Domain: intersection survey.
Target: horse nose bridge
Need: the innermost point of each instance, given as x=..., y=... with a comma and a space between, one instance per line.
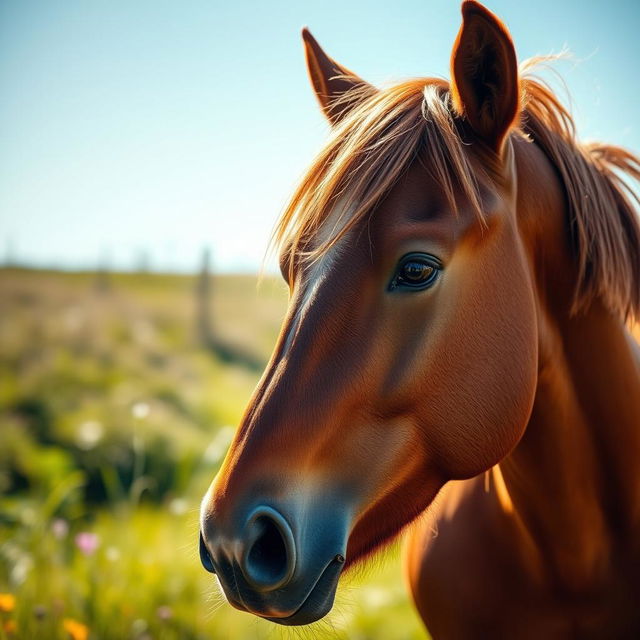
x=296, y=416
x=323, y=332
x=319, y=311
x=287, y=405
x=272, y=373
x=321, y=351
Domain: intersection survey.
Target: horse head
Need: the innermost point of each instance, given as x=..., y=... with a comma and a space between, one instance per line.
x=408, y=356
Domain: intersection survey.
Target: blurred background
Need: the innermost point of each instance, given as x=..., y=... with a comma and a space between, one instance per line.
x=146, y=150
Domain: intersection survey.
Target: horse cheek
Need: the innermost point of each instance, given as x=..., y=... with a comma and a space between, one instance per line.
x=483, y=386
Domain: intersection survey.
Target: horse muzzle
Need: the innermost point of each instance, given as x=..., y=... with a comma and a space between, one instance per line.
x=274, y=563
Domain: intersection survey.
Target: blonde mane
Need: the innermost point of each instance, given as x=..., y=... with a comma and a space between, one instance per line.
x=386, y=130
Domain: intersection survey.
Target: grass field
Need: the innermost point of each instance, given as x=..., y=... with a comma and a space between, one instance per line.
x=119, y=394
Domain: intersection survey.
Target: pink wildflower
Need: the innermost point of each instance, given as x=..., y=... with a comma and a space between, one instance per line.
x=87, y=542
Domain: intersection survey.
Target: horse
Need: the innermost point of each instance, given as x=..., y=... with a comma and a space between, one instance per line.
x=463, y=274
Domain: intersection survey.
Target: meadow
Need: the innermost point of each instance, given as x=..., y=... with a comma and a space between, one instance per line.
x=119, y=394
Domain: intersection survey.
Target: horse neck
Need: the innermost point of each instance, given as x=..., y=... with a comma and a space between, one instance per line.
x=571, y=483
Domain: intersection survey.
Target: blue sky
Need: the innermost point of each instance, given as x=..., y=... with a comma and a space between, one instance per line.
x=164, y=127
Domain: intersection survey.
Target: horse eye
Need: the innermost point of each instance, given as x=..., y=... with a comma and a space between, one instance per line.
x=415, y=271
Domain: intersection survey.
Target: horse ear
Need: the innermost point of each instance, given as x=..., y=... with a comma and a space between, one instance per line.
x=484, y=72
x=331, y=81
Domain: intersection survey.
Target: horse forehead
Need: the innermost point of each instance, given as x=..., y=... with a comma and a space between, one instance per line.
x=416, y=197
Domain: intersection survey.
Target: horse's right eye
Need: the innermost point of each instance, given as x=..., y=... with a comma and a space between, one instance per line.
x=415, y=272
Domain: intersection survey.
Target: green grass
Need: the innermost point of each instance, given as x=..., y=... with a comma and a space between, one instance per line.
x=115, y=414
x=145, y=577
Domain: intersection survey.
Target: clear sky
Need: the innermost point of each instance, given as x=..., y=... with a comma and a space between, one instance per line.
x=164, y=127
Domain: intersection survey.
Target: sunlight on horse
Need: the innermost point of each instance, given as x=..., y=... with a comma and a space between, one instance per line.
x=463, y=274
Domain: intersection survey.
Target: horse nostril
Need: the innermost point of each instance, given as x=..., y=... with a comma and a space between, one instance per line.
x=269, y=559
x=205, y=558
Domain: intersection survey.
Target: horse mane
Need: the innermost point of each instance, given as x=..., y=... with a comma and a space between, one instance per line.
x=603, y=218
x=386, y=130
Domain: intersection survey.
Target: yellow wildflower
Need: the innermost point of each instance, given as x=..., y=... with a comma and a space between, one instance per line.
x=7, y=602
x=75, y=629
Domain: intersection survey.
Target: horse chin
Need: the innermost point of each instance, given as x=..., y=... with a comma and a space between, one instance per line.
x=319, y=601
